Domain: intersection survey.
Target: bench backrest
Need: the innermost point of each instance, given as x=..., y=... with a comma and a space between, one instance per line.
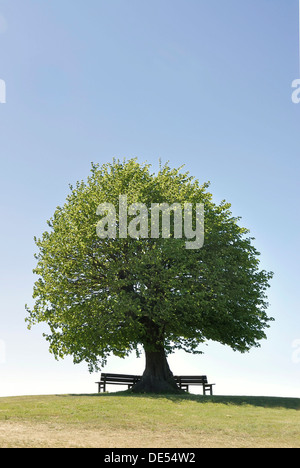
x=125, y=378
x=119, y=378
x=191, y=379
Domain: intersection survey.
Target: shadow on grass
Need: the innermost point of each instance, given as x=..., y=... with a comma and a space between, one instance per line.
x=263, y=401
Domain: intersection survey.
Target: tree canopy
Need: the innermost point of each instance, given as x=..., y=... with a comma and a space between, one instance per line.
x=103, y=296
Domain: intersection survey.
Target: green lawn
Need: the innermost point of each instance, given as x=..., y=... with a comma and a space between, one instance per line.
x=122, y=420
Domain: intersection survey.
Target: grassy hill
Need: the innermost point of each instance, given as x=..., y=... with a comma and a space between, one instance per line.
x=121, y=420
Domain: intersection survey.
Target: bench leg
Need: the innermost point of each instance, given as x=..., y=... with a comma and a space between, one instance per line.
x=207, y=387
x=101, y=386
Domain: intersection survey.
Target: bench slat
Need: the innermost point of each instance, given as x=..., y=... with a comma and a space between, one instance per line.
x=117, y=379
x=182, y=379
x=191, y=376
x=126, y=376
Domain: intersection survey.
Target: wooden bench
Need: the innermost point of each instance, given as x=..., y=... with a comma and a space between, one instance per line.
x=184, y=381
x=117, y=379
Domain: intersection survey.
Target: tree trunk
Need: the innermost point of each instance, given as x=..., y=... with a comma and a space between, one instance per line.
x=157, y=377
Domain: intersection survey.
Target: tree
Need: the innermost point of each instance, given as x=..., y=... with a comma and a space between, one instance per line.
x=103, y=296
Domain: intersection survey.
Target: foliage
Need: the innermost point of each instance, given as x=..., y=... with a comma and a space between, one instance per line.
x=103, y=296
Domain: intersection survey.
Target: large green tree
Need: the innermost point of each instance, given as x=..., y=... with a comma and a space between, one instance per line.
x=103, y=296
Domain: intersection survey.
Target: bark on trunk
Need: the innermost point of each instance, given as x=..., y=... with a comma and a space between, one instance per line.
x=157, y=377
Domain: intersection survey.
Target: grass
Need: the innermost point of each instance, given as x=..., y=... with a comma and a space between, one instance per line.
x=123, y=420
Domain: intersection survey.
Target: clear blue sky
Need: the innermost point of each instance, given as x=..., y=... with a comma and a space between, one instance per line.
x=204, y=83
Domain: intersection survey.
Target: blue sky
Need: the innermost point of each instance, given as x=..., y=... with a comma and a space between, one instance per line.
x=196, y=82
